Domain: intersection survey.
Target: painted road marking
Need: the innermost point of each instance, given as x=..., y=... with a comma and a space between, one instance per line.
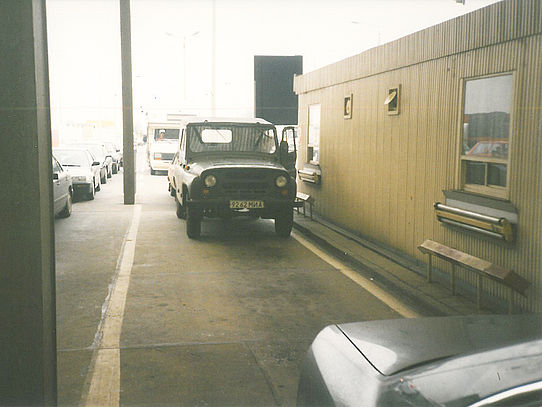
x=104, y=389
x=366, y=284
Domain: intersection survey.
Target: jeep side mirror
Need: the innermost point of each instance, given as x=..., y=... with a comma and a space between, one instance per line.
x=55, y=175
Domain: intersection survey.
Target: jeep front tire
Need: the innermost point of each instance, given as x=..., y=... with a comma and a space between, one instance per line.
x=193, y=222
x=181, y=209
x=284, y=222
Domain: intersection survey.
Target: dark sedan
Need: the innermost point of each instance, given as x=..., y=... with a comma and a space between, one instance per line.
x=449, y=361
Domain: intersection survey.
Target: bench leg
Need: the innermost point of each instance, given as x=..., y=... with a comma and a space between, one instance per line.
x=479, y=293
x=429, y=268
x=510, y=301
x=310, y=208
x=452, y=279
x=304, y=214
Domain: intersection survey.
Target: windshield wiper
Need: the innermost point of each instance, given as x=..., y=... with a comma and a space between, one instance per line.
x=70, y=165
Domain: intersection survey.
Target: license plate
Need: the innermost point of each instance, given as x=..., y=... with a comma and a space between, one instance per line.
x=246, y=204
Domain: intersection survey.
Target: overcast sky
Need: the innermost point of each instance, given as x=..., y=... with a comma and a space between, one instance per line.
x=84, y=47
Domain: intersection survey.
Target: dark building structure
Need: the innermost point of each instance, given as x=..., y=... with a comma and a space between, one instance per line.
x=275, y=100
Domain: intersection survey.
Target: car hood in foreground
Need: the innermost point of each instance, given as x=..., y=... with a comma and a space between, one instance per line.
x=395, y=345
x=421, y=362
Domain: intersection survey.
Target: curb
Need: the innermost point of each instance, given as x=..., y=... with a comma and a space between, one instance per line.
x=411, y=296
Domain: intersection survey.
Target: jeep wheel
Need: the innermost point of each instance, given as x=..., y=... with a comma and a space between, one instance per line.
x=181, y=210
x=193, y=222
x=284, y=223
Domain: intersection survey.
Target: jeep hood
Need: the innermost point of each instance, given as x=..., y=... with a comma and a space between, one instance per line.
x=201, y=164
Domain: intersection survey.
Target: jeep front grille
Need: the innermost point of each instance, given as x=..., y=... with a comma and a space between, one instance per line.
x=243, y=188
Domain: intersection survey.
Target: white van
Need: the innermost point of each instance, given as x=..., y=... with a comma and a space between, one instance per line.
x=162, y=144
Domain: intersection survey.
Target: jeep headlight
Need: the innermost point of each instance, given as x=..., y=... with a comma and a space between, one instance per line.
x=281, y=181
x=210, y=181
x=157, y=156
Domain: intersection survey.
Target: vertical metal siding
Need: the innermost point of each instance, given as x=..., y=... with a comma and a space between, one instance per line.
x=381, y=173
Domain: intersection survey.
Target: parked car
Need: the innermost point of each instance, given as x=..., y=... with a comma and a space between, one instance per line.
x=116, y=156
x=99, y=152
x=229, y=168
x=83, y=167
x=491, y=360
x=62, y=190
x=490, y=148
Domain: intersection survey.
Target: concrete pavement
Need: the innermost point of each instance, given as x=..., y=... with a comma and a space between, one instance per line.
x=223, y=320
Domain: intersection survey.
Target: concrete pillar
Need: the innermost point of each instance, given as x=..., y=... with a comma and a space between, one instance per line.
x=127, y=105
x=27, y=280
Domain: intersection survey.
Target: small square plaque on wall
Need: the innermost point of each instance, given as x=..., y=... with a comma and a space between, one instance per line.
x=347, y=107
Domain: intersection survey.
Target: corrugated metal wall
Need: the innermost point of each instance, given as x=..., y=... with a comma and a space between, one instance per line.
x=382, y=173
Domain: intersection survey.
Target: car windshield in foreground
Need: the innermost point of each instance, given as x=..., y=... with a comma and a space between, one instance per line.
x=228, y=138
x=72, y=158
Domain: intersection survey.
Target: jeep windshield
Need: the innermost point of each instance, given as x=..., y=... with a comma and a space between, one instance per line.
x=229, y=138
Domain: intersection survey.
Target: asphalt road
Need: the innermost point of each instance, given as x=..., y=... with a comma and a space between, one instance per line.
x=220, y=321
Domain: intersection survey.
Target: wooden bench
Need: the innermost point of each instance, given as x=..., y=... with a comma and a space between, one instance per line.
x=482, y=268
x=301, y=199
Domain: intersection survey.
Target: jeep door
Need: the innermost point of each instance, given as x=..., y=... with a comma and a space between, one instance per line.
x=288, y=149
x=178, y=170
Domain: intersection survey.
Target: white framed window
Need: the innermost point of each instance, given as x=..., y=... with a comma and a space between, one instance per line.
x=313, y=145
x=486, y=134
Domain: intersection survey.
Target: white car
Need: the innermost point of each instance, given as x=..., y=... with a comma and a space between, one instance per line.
x=62, y=190
x=83, y=168
x=116, y=155
x=99, y=152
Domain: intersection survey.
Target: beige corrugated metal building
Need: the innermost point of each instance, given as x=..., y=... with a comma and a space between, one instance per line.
x=449, y=114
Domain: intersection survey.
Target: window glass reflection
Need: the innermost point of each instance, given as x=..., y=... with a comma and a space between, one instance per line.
x=486, y=119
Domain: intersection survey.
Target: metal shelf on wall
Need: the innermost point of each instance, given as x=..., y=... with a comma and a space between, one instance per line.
x=499, y=228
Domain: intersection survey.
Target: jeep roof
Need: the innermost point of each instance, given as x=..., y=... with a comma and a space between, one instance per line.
x=195, y=120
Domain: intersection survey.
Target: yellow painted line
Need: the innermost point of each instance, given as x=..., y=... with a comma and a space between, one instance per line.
x=364, y=283
x=104, y=389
